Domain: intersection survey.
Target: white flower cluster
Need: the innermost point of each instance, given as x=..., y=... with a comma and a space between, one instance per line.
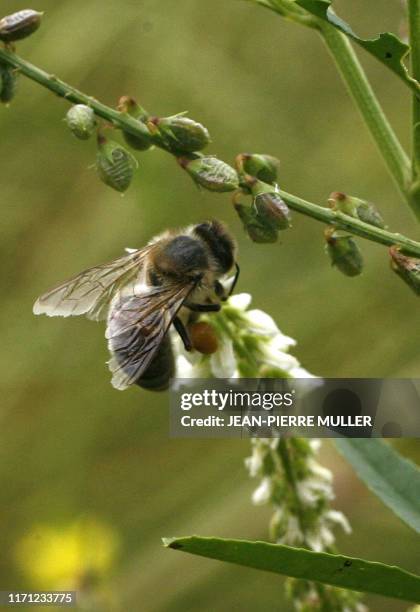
x=312, y=493
x=300, y=491
x=250, y=343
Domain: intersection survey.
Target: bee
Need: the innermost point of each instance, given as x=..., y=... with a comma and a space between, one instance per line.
x=177, y=275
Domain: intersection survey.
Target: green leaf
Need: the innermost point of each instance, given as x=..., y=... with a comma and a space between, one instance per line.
x=395, y=480
x=337, y=570
x=387, y=47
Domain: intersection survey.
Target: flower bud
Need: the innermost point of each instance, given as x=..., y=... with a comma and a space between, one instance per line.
x=204, y=338
x=407, y=268
x=130, y=107
x=19, y=25
x=114, y=164
x=263, y=167
x=343, y=252
x=357, y=208
x=211, y=173
x=81, y=120
x=256, y=229
x=269, y=206
x=8, y=80
x=181, y=134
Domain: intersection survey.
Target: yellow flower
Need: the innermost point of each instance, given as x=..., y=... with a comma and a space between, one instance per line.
x=59, y=558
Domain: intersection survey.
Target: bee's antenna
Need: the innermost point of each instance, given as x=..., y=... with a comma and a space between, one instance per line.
x=235, y=278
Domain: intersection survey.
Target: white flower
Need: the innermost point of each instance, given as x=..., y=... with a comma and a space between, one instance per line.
x=240, y=301
x=186, y=369
x=223, y=361
x=293, y=535
x=263, y=493
x=338, y=518
x=318, y=470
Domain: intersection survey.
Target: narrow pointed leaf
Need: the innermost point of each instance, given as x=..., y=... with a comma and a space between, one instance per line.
x=387, y=47
x=337, y=570
x=394, y=479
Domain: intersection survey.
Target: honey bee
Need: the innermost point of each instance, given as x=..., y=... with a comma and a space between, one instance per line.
x=175, y=276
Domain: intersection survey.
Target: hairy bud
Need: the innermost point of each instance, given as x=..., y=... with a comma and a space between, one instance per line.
x=131, y=107
x=19, y=25
x=81, y=120
x=204, y=338
x=115, y=165
x=269, y=206
x=256, y=229
x=357, y=208
x=407, y=268
x=8, y=80
x=210, y=173
x=343, y=252
x=180, y=133
x=263, y=167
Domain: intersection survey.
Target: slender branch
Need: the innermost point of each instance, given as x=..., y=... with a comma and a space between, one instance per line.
x=354, y=76
x=414, y=23
x=63, y=90
x=127, y=123
x=350, y=224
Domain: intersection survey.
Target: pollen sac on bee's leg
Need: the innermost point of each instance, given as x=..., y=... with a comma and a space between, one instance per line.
x=181, y=134
x=343, y=252
x=115, y=165
x=263, y=167
x=129, y=106
x=19, y=25
x=203, y=337
x=8, y=81
x=407, y=268
x=210, y=173
x=357, y=208
x=256, y=229
x=82, y=121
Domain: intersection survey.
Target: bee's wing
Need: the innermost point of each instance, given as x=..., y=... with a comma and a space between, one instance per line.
x=91, y=291
x=136, y=328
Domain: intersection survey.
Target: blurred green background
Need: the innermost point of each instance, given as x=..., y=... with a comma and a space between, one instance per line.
x=88, y=475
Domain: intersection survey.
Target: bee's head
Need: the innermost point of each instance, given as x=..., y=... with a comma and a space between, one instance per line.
x=181, y=257
x=219, y=242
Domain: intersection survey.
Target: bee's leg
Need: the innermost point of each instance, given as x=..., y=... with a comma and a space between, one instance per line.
x=183, y=334
x=203, y=307
x=235, y=278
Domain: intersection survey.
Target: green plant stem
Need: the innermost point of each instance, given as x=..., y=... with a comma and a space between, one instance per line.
x=71, y=94
x=127, y=123
x=354, y=226
x=414, y=23
x=354, y=76
x=284, y=455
